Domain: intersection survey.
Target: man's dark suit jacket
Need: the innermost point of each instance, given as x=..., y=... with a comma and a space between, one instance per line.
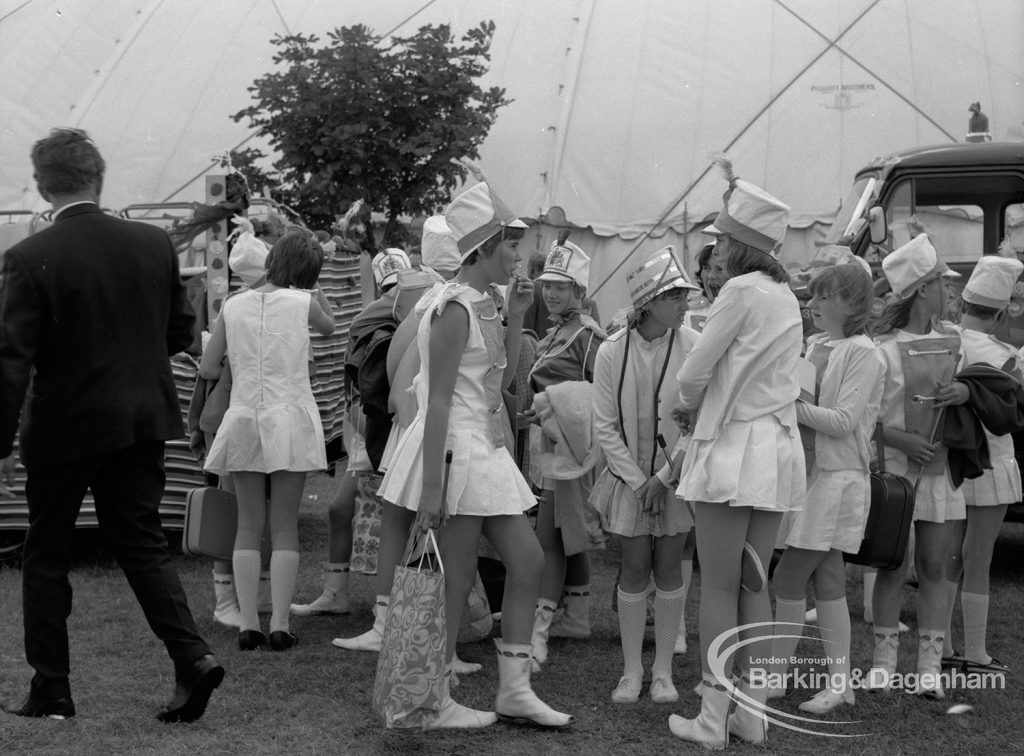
x=95, y=305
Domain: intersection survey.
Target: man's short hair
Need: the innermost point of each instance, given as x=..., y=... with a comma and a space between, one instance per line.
x=66, y=162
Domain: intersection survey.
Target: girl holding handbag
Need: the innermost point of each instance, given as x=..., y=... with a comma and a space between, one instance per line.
x=921, y=355
x=466, y=359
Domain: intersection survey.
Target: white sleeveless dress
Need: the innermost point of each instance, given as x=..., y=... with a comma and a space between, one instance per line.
x=272, y=422
x=484, y=479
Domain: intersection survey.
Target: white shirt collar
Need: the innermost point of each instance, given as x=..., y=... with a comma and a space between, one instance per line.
x=73, y=204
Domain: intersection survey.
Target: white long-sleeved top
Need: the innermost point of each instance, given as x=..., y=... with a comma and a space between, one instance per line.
x=744, y=365
x=628, y=441
x=848, y=402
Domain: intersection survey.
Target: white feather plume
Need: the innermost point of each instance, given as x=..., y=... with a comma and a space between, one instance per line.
x=724, y=164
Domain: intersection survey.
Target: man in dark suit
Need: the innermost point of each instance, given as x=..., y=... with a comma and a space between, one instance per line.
x=90, y=309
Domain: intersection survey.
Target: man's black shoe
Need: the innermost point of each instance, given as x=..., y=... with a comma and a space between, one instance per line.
x=192, y=691
x=55, y=708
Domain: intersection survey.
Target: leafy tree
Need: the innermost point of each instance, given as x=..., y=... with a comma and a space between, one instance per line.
x=382, y=120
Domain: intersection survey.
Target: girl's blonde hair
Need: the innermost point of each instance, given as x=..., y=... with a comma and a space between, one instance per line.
x=852, y=284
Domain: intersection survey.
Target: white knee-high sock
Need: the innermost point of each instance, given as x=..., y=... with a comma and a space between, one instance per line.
x=975, y=606
x=245, y=563
x=632, y=621
x=686, y=567
x=789, y=616
x=284, y=570
x=951, y=591
x=668, y=608
x=869, y=594
x=834, y=621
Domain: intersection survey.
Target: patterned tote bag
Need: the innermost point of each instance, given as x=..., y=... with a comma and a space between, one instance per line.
x=407, y=690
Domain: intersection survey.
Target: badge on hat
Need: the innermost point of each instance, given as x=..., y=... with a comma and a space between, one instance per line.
x=566, y=262
x=659, y=273
x=386, y=265
x=475, y=216
x=992, y=282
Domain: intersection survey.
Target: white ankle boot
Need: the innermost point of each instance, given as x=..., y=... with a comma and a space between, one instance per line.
x=454, y=715
x=372, y=639
x=334, y=598
x=749, y=722
x=711, y=727
x=516, y=700
x=542, y=617
x=226, y=609
x=574, y=620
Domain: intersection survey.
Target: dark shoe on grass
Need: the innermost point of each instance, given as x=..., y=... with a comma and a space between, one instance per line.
x=55, y=708
x=993, y=665
x=955, y=659
x=282, y=641
x=250, y=640
x=192, y=690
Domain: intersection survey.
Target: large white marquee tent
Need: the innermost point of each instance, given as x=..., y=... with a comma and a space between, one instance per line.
x=617, y=103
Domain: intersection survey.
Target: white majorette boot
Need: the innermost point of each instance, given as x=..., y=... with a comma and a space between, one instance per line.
x=226, y=609
x=454, y=715
x=334, y=598
x=574, y=620
x=516, y=700
x=883, y=659
x=748, y=722
x=711, y=727
x=542, y=617
x=929, y=664
x=372, y=639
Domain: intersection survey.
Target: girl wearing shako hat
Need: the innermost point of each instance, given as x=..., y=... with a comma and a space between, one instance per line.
x=566, y=524
x=921, y=355
x=466, y=359
x=634, y=391
x=985, y=300
x=745, y=465
x=850, y=373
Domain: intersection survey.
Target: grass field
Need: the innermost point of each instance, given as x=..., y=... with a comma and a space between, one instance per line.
x=315, y=698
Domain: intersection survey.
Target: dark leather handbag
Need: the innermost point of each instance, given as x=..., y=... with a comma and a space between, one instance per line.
x=887, y=531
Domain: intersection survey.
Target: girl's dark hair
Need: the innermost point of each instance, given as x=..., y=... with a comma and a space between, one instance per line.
x=978, y=311
x=295, y=260
x=895, y=315
x=491, y=244
x=745, y=259
x=703, y=260
x=852, y=284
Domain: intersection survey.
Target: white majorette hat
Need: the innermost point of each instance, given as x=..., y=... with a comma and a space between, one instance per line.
x=566, y=262
x=750, y=214
x=657, y=274
x=438, y=247
x=912, y=264
x=386, y=265
x=475, y=216
x=991, y=284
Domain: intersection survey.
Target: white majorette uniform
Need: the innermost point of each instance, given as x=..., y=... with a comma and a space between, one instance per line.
x=634, y=393
x=916, y=366
x=272, y=422
x=843, y=421
x=1001, y=484
x=746, y=448
x=484, y=479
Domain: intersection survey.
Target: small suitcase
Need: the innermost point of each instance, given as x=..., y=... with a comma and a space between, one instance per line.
x=887, y=531
x=211, y=521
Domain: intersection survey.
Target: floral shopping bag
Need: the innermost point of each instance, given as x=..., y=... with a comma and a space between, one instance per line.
x=407, y=690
